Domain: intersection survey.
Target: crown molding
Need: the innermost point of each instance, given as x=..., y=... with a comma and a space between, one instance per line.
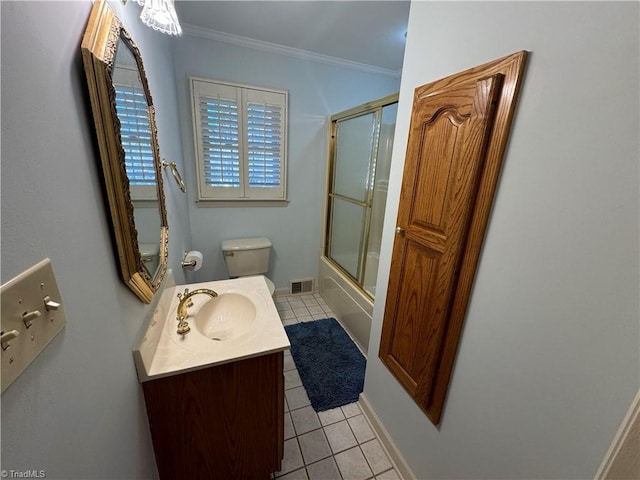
x=217, y=36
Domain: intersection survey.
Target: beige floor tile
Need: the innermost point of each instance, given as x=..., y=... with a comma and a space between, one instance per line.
x=314, y=446
x=351, y=410
x=296, y=304
x=297, y=398
x=331, y=416
x=340, y=436
x=287, y=314
x=304, y=420
x=361, y=428
x=324, y=470
x=314, y=310
x=292, y=379
x=375, y=455
x=388, y=475
x=352, y=465
x=311, y=302
x=301, y=312
x=292, y=457
x=289, y=432
x=288, y=363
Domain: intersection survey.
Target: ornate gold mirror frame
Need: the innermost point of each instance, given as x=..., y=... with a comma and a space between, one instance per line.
x=103, y=37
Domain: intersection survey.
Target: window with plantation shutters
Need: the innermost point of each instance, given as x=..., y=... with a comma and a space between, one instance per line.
x=240, y=136
x=135, y=133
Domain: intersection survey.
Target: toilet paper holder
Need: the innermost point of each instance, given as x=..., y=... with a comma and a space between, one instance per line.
x=187, y=263
x=190, y=260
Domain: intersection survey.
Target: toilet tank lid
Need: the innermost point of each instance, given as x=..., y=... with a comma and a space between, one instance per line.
x=246, y=243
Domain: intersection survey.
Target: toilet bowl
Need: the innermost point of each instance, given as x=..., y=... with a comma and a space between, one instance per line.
x=246, y=257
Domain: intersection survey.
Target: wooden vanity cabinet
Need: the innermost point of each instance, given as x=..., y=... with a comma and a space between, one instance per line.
x=222, y=422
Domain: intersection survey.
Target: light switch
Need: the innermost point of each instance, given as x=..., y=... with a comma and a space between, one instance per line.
x=32, y=314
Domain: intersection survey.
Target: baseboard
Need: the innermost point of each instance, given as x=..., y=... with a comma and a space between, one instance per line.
x=622, y=460
x=399, y=463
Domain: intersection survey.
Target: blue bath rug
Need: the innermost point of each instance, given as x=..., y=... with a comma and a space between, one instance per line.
x=329, y=363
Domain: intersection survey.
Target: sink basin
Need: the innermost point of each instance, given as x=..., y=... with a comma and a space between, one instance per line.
x=240, y=323
x=225, y=317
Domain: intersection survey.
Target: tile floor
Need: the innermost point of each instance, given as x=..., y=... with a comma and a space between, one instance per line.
x=338, y=444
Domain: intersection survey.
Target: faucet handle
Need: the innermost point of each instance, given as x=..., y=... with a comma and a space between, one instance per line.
x=180, y=295
x=183, y=328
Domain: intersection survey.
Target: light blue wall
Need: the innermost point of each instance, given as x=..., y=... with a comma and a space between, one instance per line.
x=315, y=91
x=549, y=362
x=78, y=411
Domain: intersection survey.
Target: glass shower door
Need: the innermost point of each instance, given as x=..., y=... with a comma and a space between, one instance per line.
x=359, y=173
x=379, y=198
x=355, y=143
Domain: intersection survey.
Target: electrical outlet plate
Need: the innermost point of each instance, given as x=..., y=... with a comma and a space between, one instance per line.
x=25, y=294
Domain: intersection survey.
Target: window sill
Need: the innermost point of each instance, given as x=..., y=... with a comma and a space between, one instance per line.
x=242, y=202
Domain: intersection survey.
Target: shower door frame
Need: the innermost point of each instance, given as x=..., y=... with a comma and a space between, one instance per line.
x=364, y=109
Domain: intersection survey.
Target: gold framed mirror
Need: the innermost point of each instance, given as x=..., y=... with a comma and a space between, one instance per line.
x=125, y=125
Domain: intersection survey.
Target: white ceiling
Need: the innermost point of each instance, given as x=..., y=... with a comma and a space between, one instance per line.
x=367, y=32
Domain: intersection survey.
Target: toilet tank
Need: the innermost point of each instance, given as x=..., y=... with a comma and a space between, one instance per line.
x=246, y=256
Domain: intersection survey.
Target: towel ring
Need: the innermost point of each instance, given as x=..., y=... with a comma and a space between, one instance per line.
x=176, y=174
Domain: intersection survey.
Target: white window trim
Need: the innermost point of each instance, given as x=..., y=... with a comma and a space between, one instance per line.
x=211, y=196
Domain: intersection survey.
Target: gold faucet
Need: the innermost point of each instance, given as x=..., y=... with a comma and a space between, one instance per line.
x=183, y=326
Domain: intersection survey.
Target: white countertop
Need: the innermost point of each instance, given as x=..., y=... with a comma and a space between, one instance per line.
x=162, y=351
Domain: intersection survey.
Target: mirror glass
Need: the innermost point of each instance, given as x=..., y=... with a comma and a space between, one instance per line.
x=124, y=118
x=137, y=143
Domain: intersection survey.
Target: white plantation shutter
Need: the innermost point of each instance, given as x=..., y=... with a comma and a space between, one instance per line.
x=219, y=129
x=135, y=133
x=264, y=144
x=240, y=135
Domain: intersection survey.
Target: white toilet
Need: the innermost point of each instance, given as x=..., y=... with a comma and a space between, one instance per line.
x=150, y=254
x=248, y=256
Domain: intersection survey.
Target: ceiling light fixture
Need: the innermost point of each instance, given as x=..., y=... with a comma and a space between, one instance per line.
x=160, y=15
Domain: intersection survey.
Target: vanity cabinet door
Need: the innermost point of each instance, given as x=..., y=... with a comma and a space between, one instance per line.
x=224, y=422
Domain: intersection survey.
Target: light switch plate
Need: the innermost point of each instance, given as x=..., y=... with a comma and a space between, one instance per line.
x=21, y=298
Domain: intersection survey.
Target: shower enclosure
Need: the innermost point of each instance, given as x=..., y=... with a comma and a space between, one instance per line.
x=360, y=159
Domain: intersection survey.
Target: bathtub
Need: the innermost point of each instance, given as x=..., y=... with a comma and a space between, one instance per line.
x=352, y=307
x=371, y=273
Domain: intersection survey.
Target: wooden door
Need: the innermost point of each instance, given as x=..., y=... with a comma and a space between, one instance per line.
x=457, y=136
